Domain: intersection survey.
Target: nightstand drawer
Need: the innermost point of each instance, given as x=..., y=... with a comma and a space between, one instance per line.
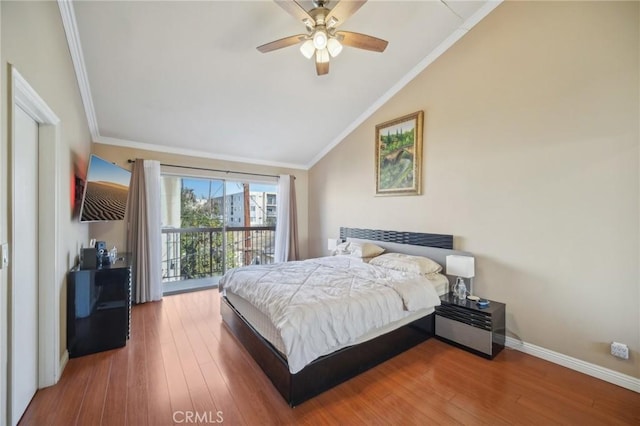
x=463, y=334
x=473, y=318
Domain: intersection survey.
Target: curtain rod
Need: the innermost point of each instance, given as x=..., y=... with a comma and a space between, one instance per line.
x=212, y=170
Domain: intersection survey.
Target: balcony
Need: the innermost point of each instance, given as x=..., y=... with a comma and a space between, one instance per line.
x=201, y=255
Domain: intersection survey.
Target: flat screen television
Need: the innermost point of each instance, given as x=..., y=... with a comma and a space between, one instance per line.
x=105, y=191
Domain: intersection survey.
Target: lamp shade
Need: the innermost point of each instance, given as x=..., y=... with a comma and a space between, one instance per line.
x=334, y=47
x=460, y=266
x=307, y=49
x=320, y=39
x=322, y=56
x=332, y=243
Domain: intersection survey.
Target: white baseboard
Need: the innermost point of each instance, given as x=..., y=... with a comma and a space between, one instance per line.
x=606, y=374
x=63, y=364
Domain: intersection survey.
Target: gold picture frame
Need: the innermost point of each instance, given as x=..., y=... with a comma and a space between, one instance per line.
x=399, y=155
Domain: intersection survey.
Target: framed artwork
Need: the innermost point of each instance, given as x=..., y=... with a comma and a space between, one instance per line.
x=399, y=155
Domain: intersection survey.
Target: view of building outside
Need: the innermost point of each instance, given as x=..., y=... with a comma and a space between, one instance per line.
x=207, y=229
x=262, y=208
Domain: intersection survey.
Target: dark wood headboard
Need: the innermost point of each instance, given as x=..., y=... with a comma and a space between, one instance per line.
x=414, y=238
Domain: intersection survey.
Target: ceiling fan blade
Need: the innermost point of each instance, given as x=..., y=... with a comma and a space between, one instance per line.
x=322, y=68
x=283, y=42
x=362, y=41
x=343, y=10
x=294, y=9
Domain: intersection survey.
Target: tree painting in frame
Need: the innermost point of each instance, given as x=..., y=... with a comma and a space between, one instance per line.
x=399, y=155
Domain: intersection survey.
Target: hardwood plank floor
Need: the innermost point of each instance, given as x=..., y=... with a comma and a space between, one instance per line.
x=182, y=366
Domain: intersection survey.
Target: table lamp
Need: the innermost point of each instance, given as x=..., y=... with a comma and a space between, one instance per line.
x=462, y=267
x=332, y=244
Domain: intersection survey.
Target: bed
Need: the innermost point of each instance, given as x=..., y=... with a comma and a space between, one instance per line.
x=297, y=380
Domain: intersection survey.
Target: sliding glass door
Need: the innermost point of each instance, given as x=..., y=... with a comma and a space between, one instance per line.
x=212, y=225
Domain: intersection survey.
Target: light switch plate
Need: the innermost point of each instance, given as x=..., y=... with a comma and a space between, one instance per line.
x=4, y=255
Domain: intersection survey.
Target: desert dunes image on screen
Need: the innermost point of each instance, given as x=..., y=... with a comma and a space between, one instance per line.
x=106, y=190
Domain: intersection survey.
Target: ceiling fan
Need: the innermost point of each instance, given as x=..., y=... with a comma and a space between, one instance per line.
x=323, y=39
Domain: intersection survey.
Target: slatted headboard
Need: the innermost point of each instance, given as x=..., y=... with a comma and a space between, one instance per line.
x=414, y=238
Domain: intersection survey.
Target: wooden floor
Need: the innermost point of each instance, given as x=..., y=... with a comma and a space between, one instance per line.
x=182, y=366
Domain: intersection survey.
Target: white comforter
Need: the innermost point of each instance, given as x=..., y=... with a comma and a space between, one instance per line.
x=324, y=303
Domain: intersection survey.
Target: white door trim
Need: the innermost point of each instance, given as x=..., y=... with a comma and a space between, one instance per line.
x=50, y=277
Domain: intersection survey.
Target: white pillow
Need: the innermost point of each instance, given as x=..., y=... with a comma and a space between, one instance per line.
x=407, y=263
x=341, y=249
x=365, y=249
x=361, y=250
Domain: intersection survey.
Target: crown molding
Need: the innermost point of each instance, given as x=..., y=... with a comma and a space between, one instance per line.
x=413, y=73
x=75, y=48
x=73, y=40
x=192, y=153
x=593, y=370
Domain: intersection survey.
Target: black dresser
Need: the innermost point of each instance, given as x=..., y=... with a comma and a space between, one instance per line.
x=98, y=308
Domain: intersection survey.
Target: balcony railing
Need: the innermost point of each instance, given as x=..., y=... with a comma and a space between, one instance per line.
x=191, y=253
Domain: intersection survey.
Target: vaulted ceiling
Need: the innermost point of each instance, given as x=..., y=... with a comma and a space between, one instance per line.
x=186, y=77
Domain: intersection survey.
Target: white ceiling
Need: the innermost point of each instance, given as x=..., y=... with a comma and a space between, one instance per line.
x=186, y=76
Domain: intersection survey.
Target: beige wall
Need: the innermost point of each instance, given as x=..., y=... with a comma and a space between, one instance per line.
x=33, y=40
x=114, y=233
x=531, y=160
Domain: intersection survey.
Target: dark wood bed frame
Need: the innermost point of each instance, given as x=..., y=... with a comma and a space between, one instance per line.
x=337, y=367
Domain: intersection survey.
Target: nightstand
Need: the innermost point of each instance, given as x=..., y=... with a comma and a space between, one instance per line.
x=464, y=324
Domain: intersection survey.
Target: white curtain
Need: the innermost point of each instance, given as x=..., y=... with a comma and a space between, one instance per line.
x=286, y=220
x=143, y=231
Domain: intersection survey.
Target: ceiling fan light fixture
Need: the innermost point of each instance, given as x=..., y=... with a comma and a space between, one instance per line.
x=307, y=49
x=322, y=56
x=320, y=39
x=334, y=47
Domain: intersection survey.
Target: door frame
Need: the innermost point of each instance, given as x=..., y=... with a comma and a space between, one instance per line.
x=50, y=360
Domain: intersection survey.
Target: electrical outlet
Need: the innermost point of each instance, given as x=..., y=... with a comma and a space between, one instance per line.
x=620, y=350
x=4, y=255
